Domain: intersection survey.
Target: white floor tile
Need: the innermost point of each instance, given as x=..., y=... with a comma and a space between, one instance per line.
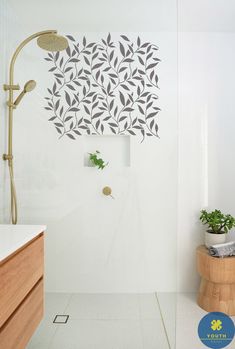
x=149, y=306
x=99, y=334
x=188, y=316
x=154, y=335
x=103, y=306
x=55, y=303
x=101, y=321
x=167, y=302
x=43, y=335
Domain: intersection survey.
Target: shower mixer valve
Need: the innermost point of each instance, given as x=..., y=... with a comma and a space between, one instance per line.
x=107, y=191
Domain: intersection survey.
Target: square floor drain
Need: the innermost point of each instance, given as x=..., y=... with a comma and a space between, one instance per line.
x=61, y=319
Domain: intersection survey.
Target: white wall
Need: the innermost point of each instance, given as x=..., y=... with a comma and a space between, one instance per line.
x=93, y=243
x=206, y=139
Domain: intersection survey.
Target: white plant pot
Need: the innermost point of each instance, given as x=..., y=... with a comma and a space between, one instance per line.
x=214, y=239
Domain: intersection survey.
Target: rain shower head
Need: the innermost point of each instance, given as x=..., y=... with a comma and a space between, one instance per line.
x=52, y=42
x=28, y=87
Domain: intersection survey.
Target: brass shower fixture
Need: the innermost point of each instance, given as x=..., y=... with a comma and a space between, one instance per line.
x=28, y=87
x=107, y=191
x=48, y=40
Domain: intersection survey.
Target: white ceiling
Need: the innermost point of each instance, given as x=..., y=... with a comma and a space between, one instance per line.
x=130, y=15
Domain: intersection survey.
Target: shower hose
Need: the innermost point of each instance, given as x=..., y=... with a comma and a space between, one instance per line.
x=13, y=195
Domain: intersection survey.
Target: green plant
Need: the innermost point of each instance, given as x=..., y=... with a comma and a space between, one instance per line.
x=217, y=222
x=98, y=162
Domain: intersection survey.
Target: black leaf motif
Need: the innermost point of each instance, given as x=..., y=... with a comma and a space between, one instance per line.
x=113, y=130
x=141, y=60
x=128, y=60
x=57, y=104
x=68, y=118
x=96, y=115
x=70, y=37
x=151, y=115
x=131, y=132
x=70, y=136
x=58, y=130
x=68, y=69
x=71, y=87
x=61, y=111
x=86, y=60
x=122, y=98
x=111, y=105
x=77, y=132
x=74, y=109
x=67, y=97
x=75, y=60
x=125, y=37
x=96, y=66
x=68, y=51
x=122, y=69
x=128, y=109
x=94, y=80
x=125, y=87
x=141, y=110
x=122, y=49
x=115, y=62
x=151, y=66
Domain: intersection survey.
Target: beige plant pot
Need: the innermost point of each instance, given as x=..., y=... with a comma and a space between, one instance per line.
x=214, y=239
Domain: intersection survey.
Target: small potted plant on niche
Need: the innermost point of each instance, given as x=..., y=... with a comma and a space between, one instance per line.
x=96, y=160
x=219, y=225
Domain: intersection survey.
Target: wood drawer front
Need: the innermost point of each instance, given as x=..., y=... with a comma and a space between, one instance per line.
x=19, y=328
x=18, y=275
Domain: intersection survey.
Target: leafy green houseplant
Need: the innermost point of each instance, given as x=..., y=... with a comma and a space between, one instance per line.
x=96, y=160
x=218, y=224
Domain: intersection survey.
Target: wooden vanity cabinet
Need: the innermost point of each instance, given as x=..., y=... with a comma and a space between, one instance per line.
x=21, y=294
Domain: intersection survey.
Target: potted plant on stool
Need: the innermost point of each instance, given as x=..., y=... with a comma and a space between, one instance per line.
x=219, y=225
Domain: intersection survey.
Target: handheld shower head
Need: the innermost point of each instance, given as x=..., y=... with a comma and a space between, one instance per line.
x=28, y=87
x=52, y=42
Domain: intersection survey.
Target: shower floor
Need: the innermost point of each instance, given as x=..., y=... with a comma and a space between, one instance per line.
x=106, y=321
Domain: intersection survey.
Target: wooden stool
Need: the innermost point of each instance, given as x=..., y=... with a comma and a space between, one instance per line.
x=217, y=288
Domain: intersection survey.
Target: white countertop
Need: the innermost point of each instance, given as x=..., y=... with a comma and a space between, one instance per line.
x=12, y=237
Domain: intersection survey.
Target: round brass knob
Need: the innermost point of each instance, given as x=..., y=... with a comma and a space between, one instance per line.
x=108, y=192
